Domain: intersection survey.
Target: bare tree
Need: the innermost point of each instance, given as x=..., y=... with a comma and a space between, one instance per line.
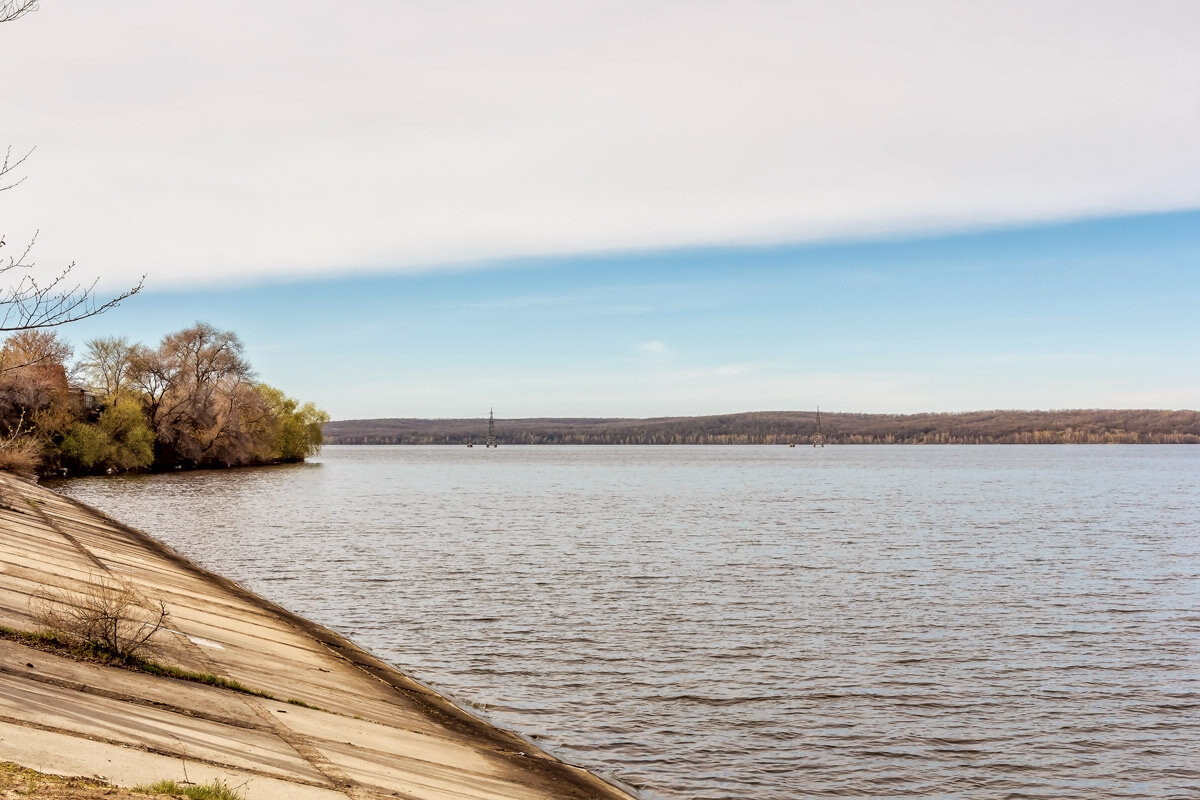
x=27, y=302
x=104, y=613
x=107, y=364
x=15, y=9
x=198, y=394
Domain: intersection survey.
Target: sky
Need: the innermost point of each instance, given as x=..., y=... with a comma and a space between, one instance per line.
x=410, y=209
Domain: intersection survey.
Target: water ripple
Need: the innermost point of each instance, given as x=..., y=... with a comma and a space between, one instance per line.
x=764, y=623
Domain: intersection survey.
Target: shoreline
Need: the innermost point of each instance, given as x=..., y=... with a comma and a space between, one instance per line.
x=1080, y=426
x=413, y=741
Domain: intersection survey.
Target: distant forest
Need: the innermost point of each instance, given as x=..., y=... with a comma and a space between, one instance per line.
x=799, y=427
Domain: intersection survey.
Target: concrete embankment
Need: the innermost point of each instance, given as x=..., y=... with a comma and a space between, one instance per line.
x=364, y=730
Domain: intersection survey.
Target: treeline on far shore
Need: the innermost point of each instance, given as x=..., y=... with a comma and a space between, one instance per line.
x=794, y=427
x=191, y=402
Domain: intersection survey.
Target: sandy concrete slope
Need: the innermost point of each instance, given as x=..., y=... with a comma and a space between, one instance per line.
x=371, y=731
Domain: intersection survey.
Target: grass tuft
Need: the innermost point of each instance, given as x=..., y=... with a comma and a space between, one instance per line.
x=292, y=701
x=216, y=790
x=207, y=678
x=33, y=637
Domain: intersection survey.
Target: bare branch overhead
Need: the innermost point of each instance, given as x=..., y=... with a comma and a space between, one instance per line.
x=15, y=9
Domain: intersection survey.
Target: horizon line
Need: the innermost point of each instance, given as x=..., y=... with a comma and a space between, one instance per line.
x=794, y=411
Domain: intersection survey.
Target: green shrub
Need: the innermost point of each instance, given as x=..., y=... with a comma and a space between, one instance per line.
x=84, y=446
x=121, y=440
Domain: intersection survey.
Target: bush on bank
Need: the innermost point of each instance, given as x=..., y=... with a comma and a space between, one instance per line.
x=192, y=402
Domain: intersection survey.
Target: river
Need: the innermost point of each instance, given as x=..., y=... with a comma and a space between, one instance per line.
x=756, y=622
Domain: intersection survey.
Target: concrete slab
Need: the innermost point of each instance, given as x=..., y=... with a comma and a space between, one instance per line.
x=375, y=732
x=65, y=754
x=217, y=704
x=174, y=733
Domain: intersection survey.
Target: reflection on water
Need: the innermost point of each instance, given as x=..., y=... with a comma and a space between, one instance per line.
x=753, y=622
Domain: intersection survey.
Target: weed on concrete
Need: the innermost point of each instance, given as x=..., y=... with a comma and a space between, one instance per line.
x=216, y=790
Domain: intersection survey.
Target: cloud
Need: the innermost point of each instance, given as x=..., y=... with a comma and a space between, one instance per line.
x=277, y=139
x=654, y=351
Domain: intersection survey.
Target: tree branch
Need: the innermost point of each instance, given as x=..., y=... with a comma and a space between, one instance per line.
x=15, y=9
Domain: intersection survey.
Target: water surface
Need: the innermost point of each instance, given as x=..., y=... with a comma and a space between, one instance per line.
x=753, y=622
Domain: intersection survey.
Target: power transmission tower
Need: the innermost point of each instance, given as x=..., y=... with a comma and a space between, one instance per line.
x=491, y=437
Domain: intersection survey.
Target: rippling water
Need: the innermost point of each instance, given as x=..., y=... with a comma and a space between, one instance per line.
x=753, y=622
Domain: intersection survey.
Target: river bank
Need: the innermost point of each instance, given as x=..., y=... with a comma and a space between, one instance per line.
x=329, y=720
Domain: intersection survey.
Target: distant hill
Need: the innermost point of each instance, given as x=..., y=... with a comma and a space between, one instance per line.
x=784, y=427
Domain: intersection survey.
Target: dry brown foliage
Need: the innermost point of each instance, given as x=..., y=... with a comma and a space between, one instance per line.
x=102, y=613
x=20, y=454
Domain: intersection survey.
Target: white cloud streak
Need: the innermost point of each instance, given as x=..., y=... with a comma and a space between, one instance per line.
x=273, y=139
x=654, y=351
